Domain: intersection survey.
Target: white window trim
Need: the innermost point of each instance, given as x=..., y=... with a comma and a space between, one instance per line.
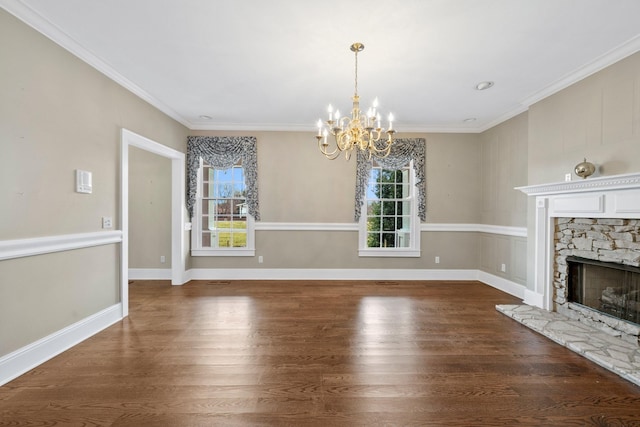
x=411, y=252
x=196, y=231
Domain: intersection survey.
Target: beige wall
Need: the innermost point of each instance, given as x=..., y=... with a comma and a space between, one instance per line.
x=149, y=209
x=453, y=187
x=298, y=185
x=503, y=167
x=58, y=114
x=597, y=118
x=42, y=294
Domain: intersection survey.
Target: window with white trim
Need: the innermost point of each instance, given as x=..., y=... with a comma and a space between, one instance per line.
x=389, y=225
x=222, y=225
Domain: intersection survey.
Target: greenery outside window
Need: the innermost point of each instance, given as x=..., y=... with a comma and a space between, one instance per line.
x=390, y=226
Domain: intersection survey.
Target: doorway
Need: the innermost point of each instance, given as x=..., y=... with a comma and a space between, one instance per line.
x=178, y=274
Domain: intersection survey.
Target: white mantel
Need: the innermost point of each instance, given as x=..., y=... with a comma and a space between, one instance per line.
x=616, y=196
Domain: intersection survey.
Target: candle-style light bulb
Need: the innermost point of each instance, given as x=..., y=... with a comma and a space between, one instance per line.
x=390, y=121
x=330, y=110
x=319, y=127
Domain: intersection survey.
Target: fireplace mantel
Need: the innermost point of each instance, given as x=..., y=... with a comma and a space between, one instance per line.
x=616, y=196
x=602, y=183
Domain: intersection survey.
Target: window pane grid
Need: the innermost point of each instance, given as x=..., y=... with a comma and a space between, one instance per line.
x=224, y=208
x=388, y=210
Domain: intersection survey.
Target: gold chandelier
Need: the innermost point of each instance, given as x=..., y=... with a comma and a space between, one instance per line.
x=362, y=131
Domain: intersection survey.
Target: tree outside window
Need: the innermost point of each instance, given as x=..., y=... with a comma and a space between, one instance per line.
x=388, y=208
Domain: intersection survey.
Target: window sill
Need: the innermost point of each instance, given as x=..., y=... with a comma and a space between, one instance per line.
x=223, y=252
x=389, y=253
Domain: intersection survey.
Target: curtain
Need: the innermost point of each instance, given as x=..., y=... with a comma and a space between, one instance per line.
x=223, y=153
x=402, y=152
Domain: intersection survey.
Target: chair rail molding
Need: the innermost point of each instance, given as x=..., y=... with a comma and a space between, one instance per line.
x=18, y=248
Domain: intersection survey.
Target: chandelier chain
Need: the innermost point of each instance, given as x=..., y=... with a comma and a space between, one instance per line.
x=356, y=73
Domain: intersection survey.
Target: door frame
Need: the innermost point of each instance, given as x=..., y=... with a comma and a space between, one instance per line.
x=178, y=253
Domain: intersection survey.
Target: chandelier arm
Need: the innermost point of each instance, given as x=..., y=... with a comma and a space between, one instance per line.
x=331, y=155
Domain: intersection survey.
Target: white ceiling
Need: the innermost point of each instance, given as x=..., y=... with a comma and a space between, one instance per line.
x=277, y=64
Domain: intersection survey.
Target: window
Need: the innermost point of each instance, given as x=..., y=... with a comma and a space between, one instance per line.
x=222, y=225
x=222, y=194
x=390, y=225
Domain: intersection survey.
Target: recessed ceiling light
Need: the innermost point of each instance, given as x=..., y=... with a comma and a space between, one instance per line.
x=484, y=85
x=205, y=117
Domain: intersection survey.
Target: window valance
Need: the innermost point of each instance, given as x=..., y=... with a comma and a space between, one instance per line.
x=402, y=152
x=223, y=153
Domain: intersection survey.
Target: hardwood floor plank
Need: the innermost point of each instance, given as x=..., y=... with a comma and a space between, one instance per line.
x=314, y=353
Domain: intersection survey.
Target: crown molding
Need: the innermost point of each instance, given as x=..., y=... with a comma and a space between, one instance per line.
x=614, y=55
x=55, y=34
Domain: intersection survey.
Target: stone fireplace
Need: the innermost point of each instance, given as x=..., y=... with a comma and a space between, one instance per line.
x=596, y=273
x=594, y=219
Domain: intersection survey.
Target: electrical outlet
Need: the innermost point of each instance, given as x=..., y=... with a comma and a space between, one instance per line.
x=503, y=268
x=107, y=222
x=162, y=259
x=567, y=177
x=260, y=259
x=437, y=260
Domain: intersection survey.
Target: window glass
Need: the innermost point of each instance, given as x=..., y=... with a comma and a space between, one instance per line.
x=389, y=225
x=223, y=224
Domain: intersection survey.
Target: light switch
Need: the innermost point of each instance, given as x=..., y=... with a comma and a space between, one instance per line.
x=83, y=181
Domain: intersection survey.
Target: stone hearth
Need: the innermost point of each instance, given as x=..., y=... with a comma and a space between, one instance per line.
x=610, y=352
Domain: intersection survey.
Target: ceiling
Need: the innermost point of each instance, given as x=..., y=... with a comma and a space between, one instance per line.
x=277, y=64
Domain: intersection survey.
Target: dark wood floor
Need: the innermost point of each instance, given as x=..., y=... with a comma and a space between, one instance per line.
x=265, y=353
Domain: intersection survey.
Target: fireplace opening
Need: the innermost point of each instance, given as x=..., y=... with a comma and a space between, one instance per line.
x=610, y=288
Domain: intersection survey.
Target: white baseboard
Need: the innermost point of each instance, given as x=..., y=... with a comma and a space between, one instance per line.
x=497, y=282
x=26, y=358
x=533, y=298
x=500, y=283
x=328, y=274
x=149, y=274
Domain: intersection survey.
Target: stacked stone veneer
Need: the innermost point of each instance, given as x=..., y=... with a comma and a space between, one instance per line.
x=607, y=240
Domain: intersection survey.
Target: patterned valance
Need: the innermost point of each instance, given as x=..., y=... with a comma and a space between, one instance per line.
x=402, y=152
x=222, y=153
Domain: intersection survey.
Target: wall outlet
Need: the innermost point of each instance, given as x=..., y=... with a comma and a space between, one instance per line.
x=260, y=259
x=503, y=268
x=107, y=222
x=162, y=259
x=437, y=260
x=567, y=177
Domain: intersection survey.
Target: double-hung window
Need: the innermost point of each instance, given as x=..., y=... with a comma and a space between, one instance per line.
x=222, y=195
x=390, y=200
x=389, y=224
x=223, y=225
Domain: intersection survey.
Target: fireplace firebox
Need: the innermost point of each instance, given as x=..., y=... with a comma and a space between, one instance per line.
x=610, y=288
